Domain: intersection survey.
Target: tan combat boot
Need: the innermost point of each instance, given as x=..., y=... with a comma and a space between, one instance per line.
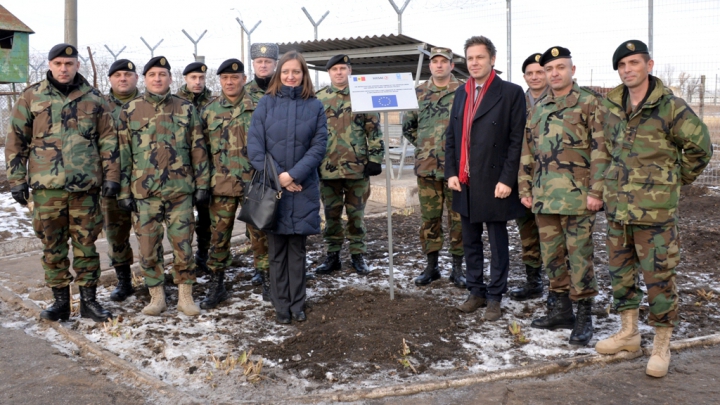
x=157, y=302
x=660, y=360
x=185, y=301
x=628, y=338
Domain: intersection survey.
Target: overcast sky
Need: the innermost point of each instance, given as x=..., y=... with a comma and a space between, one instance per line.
x=686, y=33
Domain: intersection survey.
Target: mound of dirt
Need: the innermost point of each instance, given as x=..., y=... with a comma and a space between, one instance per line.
x=354, y=326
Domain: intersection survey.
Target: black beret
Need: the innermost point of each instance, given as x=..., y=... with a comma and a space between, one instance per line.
x=62, y=50
x=231, y=66
x=556, y=52
x=534, y=58
x=336, y=60
x=158, y=61
x=121, y=64
x=195, y=67
x=627, y=48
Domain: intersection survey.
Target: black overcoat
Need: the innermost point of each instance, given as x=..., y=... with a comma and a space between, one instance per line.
x=495, y=146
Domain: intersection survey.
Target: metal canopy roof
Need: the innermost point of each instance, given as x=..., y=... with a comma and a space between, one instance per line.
x=11, y=23
x=373, y=55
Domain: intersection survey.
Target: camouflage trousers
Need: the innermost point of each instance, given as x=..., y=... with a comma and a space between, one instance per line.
x=433, y=193
x=653, y=251
x=529, y=239
x=59, y=215
x=351, y=194
x=177, y=214
x=566, y=241
x=222, y=219
x=203, y=222
x=117, y=224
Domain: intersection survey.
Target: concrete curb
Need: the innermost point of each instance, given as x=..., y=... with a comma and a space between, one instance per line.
x=555, y=367
x=125, y=368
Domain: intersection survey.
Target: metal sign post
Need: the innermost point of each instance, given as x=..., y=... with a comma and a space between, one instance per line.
x=382, y=93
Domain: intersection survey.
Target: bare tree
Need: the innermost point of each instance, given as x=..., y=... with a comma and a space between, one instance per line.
x=667, y=75
x=692, y=87
x=682, y=81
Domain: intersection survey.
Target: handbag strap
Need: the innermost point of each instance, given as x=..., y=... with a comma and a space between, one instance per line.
x=269, y=159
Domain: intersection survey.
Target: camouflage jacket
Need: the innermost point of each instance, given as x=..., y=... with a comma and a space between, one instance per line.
x=528, y=102
x=116, y=104
x=69, y=143
x=162, y=149
x=353, y=139
x=654, y=150
x=564, y=155
x=202, y=99
x=254, y=92
x=225, y=126
x=425, y=128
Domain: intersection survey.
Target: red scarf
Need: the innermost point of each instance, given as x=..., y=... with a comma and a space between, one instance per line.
x=471, y=106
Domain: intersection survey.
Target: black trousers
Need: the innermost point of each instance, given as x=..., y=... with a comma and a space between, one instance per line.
x=474, y=258
x=286, y=254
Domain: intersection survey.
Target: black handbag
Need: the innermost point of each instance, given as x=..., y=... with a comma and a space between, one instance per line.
x=261, y=201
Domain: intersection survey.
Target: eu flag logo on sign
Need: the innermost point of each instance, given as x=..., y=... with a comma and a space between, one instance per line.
x=384, y=101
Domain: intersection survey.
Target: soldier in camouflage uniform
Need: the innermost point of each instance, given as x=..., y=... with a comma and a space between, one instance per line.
x=117, y=222
x=164, y=167
x=425, y=130
x=61, y=143
x=264, y=61
x=657, y=144
x=195, y=91
x=534, y=76
x=561, y=178
x=355, y=151
x=226, y=121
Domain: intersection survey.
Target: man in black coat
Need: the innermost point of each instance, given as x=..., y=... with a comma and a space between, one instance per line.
x=482, y=158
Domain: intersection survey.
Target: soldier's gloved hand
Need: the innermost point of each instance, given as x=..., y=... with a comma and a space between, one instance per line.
x=110, y=189
x=372, y=169
x=21, y=193
x=127, y=204
x=201, y=198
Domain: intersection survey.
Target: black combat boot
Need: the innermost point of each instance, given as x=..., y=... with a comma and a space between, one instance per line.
x=431, y=272
x=124, y=286
x=60, y=309
x=358, y=263
x=560, y=316
x=201, y=258
x=533, y=287
x=457, y=276
x=583, y=330
x=257, y=278
x=266, y=289
x=331, y=263
x=90, y=308
x=216, y=292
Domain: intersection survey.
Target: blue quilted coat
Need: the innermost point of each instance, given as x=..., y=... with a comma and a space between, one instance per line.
x=294, y=131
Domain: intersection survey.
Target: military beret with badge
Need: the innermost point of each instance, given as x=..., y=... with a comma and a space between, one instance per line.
x=121, y=65
x=627, y=48
x=556, y=52
x=337, y=60
x=62, y=51
x=158, y=61
x=231, y=66
x=534, y=58
x=195, y=67
x=264, y=50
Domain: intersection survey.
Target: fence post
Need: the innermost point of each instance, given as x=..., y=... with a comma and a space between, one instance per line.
x=702, y=97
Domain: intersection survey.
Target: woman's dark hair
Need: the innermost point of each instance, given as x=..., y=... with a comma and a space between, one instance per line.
x=306, y=84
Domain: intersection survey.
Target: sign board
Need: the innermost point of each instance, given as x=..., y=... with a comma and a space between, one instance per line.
x=383, y=92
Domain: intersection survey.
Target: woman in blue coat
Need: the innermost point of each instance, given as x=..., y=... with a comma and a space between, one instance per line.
x=290, y=124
